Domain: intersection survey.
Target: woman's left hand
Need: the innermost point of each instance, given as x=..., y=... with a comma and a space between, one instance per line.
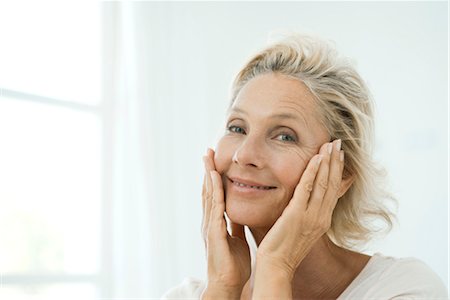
x=307, y=217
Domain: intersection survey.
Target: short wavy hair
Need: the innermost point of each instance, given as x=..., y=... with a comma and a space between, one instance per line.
x=345, y=107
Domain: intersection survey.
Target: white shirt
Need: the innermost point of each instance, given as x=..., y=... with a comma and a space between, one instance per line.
x=383, y=277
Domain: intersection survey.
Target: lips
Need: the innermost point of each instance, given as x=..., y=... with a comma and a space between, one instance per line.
x=249, y=184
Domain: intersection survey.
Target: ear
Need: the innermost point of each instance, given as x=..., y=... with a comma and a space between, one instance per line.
x=346, y=183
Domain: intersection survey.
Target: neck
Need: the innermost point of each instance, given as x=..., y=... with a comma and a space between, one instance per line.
x=326, y=271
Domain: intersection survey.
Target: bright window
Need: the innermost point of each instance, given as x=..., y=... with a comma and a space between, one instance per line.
x=50, y=150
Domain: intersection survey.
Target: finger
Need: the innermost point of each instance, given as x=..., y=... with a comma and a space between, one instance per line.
x=205, y=220
x=206, y=200
x=208, y=191
x=335, y=177
x=217, y=235
x=210, y=153
x=217, y=221
x=321, y=182
x=304, y=187
x=217, y=197
x=209, y=166
x=204, y=192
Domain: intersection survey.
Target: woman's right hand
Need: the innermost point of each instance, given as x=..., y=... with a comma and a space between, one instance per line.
x=228, y=255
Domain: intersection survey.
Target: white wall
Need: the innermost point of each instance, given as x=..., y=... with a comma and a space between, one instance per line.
x=399, y=48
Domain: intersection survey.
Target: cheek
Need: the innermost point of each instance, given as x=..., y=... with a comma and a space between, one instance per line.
x=290, y=170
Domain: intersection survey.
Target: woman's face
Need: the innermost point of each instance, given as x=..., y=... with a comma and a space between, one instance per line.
x=272, y=132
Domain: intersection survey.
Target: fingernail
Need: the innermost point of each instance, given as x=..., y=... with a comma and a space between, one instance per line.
x=329, y=148
x=338, y=145
x=341, y=155
x=319, y=159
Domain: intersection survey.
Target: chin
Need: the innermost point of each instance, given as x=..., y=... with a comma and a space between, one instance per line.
x=244, y=214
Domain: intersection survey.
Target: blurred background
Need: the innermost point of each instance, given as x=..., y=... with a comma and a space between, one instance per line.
x=106, y=109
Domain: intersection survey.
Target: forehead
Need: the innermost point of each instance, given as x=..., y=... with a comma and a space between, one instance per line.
x=276, y=94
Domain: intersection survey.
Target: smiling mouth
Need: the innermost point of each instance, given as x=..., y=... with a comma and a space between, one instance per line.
x=239, y=184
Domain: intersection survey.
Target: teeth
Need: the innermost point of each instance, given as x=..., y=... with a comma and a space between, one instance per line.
x=250, y=186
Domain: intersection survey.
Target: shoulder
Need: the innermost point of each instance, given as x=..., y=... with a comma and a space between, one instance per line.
x=190, y=288
x=387, y=277
x=415, y=276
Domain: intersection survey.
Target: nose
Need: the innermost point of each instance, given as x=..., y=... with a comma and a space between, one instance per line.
x=249, y=154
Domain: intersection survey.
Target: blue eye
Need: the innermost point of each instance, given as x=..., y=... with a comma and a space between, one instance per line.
x=287, y=138
x=236, y=129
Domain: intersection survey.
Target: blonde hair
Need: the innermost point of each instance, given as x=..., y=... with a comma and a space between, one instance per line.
x=346, y=110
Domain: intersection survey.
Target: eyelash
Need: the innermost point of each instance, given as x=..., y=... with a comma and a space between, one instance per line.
x=292, y=138
x=230, y=128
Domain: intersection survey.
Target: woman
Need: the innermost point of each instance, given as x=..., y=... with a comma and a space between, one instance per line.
x=294, y=166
